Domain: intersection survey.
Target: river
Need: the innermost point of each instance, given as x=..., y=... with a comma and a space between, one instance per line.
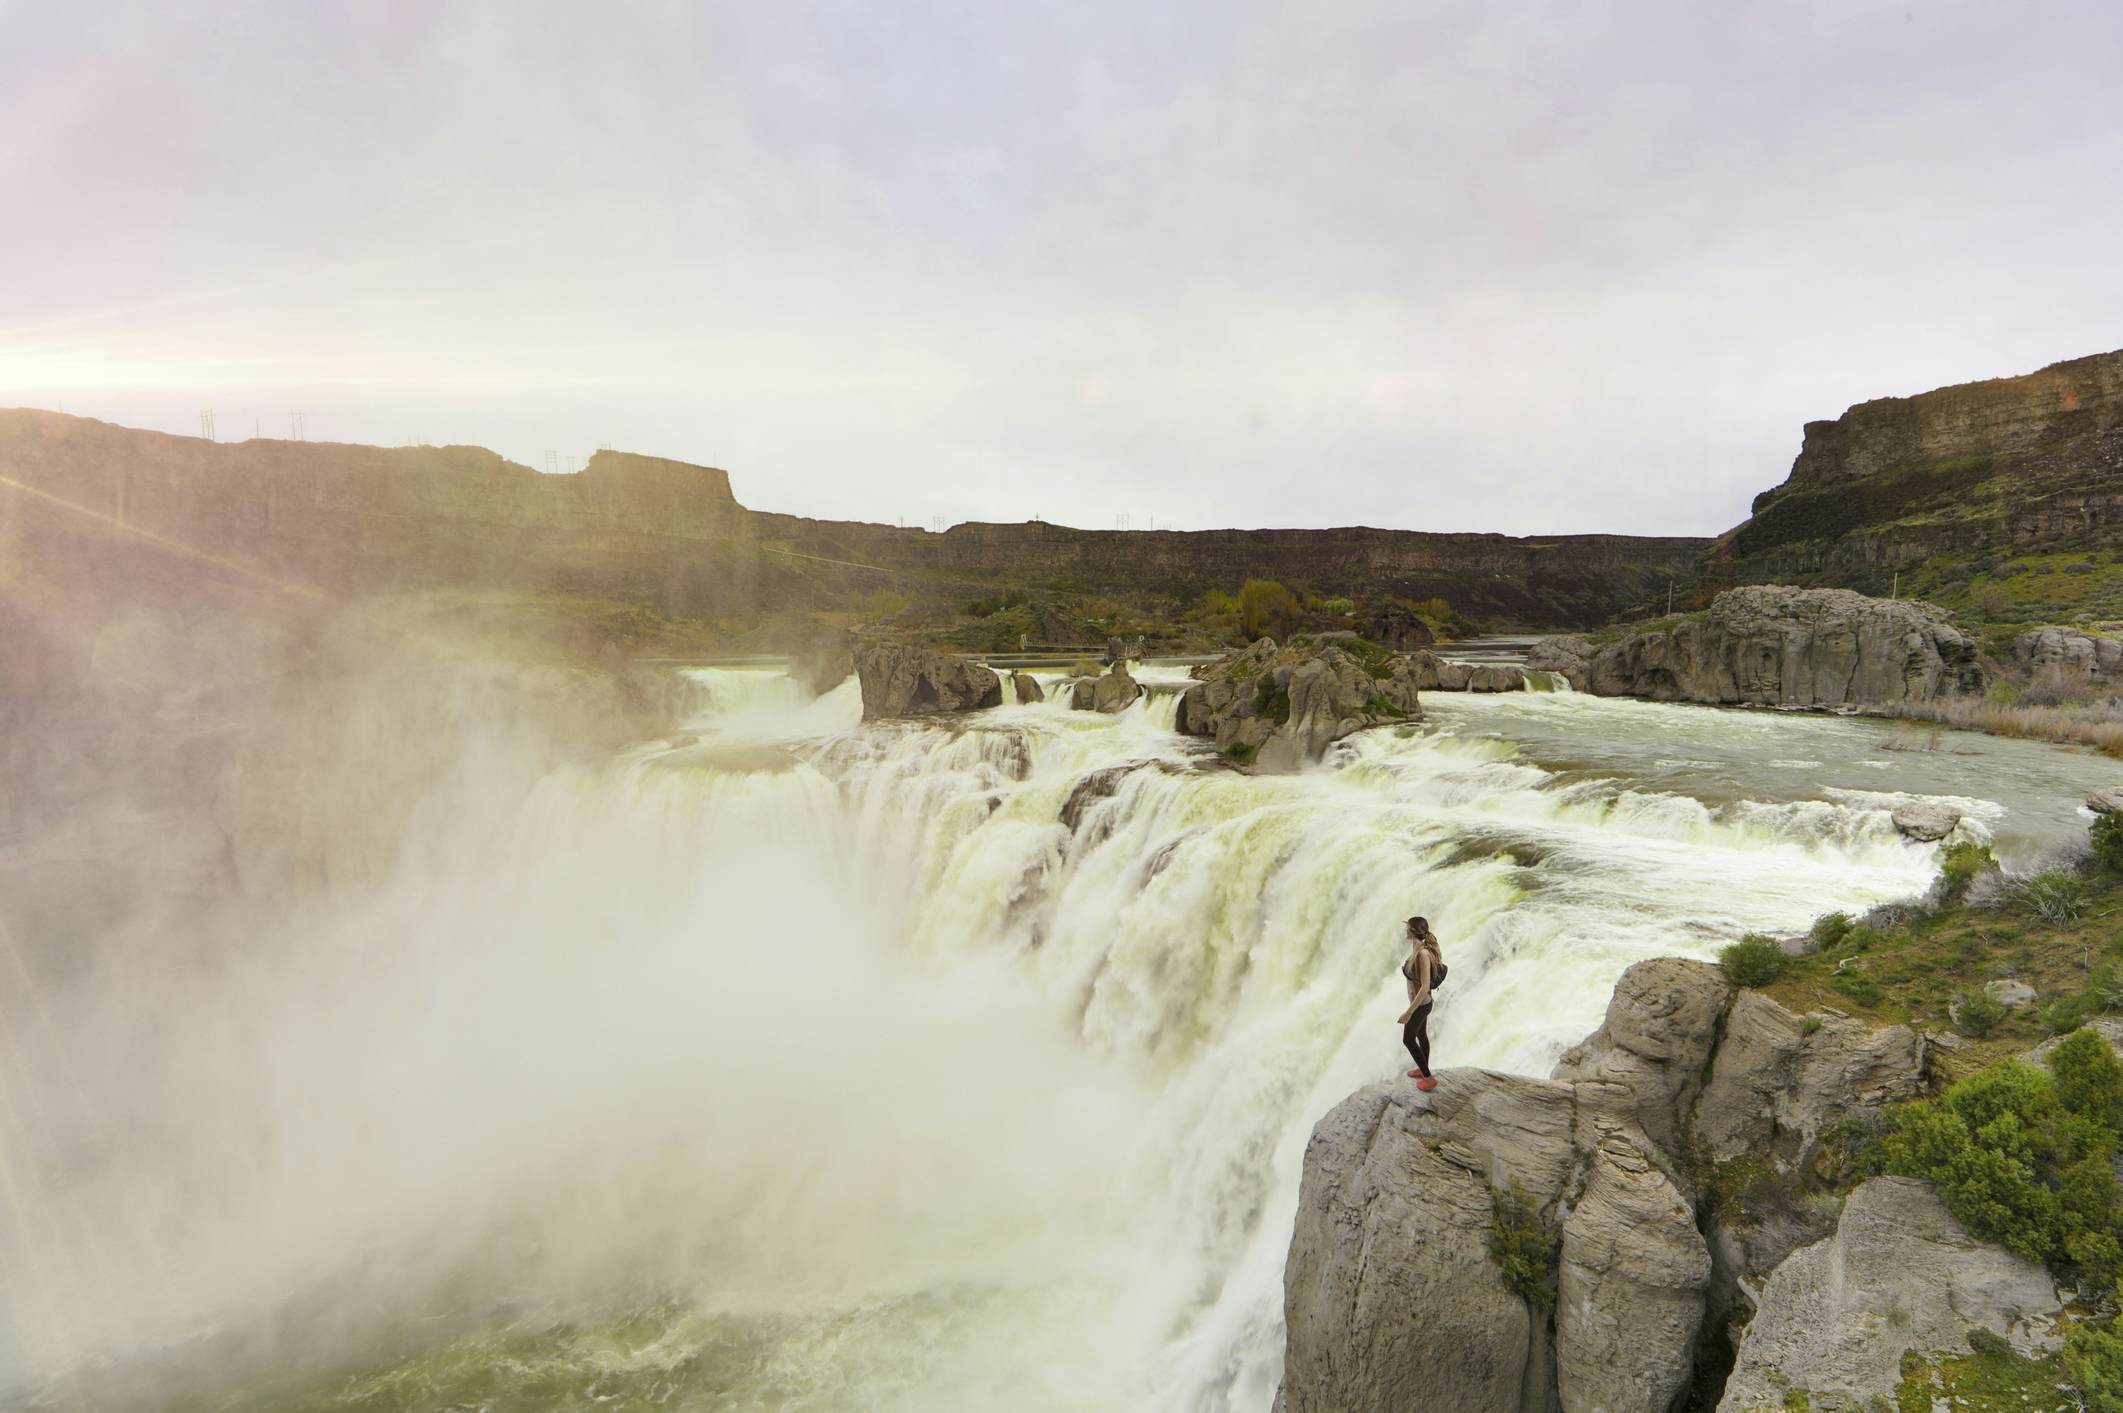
x=810, y=1065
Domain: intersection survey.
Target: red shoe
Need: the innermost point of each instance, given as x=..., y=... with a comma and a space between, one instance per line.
x=1426, y=1083
x=1415, y=1074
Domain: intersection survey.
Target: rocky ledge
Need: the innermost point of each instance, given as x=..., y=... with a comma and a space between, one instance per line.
x=906, y=679
x=1770, y=646
x=1660, y=1182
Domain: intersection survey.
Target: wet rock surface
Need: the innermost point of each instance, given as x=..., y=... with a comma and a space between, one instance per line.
x=906, y=679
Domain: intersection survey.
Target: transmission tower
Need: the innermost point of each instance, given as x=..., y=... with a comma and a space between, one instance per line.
x=206, y=424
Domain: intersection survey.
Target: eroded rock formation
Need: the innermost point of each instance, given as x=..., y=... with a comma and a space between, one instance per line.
x=1282, y=707
x=1618, y=1153
x=1768, y=646
x=906, y=679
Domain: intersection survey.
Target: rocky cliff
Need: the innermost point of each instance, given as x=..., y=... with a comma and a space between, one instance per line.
x=1946, y=488
x=1586, y=1243
x=638, y=529
x=1764, y=646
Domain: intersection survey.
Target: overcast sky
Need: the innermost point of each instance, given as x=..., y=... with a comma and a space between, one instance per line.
x=1517, y=267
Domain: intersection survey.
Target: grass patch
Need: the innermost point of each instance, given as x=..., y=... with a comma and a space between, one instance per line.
x=1925, y=967
x=1523, y=1248
x=1992, y=1378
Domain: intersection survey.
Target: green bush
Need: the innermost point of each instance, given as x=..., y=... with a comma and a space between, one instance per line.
x=1829, y=929
x=2093, y=1357
x=2107, y=837
x=2023, y=1160
x=1959, y=866
x=1754, y=960
x=2088, y=1078
x=1976, y=1013
x=1265, y=608
x=1522, y=1247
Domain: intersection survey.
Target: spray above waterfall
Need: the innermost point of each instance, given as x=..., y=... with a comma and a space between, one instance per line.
x=962, y=1064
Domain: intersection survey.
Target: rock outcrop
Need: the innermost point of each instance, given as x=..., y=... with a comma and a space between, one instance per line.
x=1991, y=469
x=2040, y=652
x=906, y=679
x=1898, y=1274
x=1767, y=646
x=1027, y=688
x=1615, y=1155
x=1280, y=708
x=1116, y=691
x=1926, y=821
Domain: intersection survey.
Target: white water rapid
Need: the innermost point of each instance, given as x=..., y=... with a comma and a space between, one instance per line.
x=812, y=1065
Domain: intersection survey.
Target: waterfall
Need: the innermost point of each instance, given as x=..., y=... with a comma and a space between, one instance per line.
x=963, y=1064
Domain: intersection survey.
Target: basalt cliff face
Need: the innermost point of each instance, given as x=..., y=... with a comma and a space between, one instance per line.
x=2010, y=467
x=1583, y=1244
x=638, y=529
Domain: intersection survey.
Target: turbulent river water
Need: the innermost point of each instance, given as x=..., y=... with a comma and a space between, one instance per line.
x=810, y=1065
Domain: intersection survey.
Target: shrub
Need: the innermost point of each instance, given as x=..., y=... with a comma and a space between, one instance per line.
x=1754, y=960
x=2106, y=837
x=1857, y=986
x=1861, y=938
x=2088, y=1077
x=2055, y=895
x=1522, y=1248
x=1265, y=608
x=1829, y=929
x=1976, y=1013
x=2093, y=1357
x=1959, y=866
x=2023, y=1160
x=2064, y=1014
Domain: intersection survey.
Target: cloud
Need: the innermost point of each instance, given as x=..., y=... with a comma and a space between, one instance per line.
x=1442, y=266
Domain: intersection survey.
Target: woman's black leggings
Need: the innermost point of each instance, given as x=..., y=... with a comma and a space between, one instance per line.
x=1416, y=1036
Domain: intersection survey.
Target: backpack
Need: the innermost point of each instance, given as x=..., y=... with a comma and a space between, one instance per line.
x=1438, y=969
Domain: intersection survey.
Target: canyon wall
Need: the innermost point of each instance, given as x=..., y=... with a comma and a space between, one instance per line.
x=358, y=519
x=2006, y=467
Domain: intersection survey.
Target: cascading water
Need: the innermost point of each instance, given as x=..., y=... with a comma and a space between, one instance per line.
x=914, y=1066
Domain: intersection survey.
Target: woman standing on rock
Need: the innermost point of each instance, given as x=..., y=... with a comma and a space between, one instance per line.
x=1424, y=969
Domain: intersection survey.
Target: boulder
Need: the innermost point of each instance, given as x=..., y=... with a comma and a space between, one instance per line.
x=2106, y=800
x=1766, y=645
x=1646, y=1061
x=2010, y=992
x=1926, y=821
x=2067, y=651
x=1434, y=673
x=906, y=679
x=1283, y=707
x=1780, y=1081
x=1114, y=692
x=1898, y=1274
x=1027, y=688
